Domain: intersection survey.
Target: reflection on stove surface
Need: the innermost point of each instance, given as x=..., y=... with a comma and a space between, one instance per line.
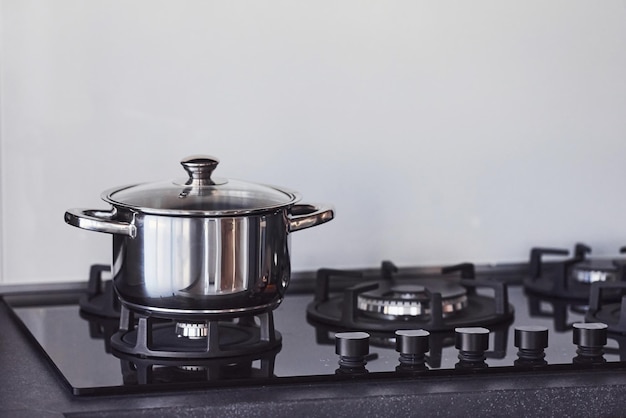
x=559, y=310
x=142, y=371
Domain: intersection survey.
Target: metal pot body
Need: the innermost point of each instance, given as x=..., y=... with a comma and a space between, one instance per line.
x=203, y=265
x=182, y=265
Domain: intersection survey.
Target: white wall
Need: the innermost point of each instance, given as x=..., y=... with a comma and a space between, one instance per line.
x=441, y=131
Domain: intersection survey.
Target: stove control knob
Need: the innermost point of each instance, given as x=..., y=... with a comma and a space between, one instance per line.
x=472, y=342
x=352, y=348
x=531, y=341
x=590, y=338
x=412, y=346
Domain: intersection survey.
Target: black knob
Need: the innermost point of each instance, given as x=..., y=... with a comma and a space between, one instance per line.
x=531, y=337
x=472, y=339
x=590, y=338
x=472, y=342
x=352, y=344
x=412, y=346
x=531, y=341
x=590, y=334
x=352, y=348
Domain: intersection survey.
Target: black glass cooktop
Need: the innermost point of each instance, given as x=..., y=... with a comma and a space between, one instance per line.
x=77, y=345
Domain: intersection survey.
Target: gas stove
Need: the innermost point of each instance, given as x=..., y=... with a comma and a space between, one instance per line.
x=433, y=329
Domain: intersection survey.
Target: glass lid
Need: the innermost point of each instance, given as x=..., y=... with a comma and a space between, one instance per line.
x=201, y=194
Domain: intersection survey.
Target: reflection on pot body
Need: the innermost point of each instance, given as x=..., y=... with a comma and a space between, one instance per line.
x=176, y=258
x=217, y=269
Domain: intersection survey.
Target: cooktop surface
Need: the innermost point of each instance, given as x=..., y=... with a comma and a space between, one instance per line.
x=77, y=343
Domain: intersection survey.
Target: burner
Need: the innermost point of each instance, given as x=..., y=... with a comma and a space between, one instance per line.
x=591, y=271
x=147, y=335
x=192, y=330
x=398, y=302
x=571, y=278
x=402, y=301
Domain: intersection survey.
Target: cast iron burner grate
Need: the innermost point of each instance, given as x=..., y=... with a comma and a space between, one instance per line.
x=610, y=312
x=398, y=301
x=100, y=299
x=572, y=278
x=148, y=335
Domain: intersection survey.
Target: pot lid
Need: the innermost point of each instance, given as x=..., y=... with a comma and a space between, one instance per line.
x=201, y=194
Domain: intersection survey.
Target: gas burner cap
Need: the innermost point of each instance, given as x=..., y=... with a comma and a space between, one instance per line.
x=191, y=330
x=591, y=271
x=195, y=368
x=403, y=301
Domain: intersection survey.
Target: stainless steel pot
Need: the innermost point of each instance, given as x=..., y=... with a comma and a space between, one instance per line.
x=201, y=245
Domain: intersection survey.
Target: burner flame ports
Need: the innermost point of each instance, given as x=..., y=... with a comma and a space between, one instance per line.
x=191, y=330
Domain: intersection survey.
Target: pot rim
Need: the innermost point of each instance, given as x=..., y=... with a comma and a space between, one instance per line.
x=295, y=197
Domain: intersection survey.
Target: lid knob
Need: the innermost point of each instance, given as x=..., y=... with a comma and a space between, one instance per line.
x=200, y=168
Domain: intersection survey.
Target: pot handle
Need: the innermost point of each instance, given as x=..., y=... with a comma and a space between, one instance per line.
x=99, y=221
x=305, y=216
